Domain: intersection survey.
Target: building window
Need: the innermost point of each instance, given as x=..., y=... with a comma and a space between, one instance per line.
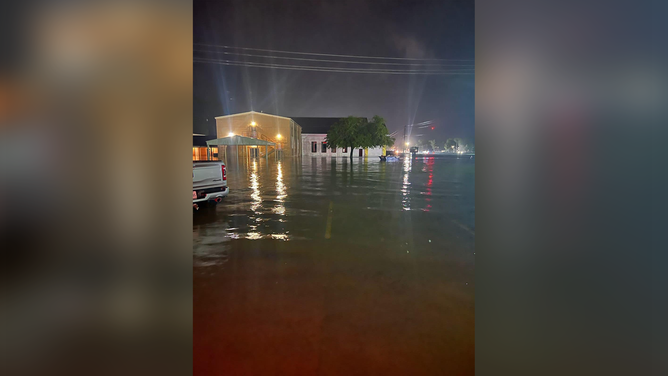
x=324, y=148
x=345, y=150
x=314, y=147
x=199, y=154
x=333, y=150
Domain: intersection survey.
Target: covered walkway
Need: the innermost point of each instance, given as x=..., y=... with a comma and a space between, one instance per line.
x=240, y=141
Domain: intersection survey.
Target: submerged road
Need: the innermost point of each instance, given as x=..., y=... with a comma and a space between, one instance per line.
x=316, y=266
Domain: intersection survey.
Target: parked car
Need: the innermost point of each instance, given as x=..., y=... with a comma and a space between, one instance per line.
x=209, y=182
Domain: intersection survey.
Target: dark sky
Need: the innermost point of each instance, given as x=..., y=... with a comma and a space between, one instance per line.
x=415, y=29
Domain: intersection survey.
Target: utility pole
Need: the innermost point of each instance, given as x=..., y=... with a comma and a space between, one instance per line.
x=405, y=143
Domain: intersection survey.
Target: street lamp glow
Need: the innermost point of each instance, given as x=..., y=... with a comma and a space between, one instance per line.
x=278, y=136
x=253, y=123
x=230, y=134
x=407, y=143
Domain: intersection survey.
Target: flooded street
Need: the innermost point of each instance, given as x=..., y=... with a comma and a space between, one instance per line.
x=323, y=267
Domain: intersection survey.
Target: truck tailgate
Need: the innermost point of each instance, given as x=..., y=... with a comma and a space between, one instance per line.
x=208, y=175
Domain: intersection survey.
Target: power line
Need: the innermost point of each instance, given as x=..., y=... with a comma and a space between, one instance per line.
x=326, y=69
x=408, y=129
x=423, y=123
x=333, y=61
x=321, y=54
x=321, y=69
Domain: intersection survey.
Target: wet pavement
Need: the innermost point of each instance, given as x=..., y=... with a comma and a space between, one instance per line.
x=323, y=267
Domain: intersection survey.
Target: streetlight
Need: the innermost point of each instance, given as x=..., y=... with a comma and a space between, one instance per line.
x=253, y=123
x=230, y=134
x=279, y=145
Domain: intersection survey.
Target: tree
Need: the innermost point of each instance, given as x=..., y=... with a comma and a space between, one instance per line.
x=377, y=133
x=426, y=144
x=356, y=132
x=450, y=144
x=346, y=133
x=460, y=144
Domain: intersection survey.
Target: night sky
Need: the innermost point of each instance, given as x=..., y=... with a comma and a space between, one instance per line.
x=413, y=29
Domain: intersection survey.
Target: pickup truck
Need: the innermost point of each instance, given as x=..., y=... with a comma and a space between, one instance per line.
x=209, y=182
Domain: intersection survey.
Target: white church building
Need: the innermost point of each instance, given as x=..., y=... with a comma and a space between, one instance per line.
x=314, y=133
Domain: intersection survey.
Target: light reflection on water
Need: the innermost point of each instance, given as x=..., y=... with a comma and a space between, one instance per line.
x=288, y=200
x=256, y=206
x=281, y=192
x=255, y=187
x=428, y=168
x=405, y=189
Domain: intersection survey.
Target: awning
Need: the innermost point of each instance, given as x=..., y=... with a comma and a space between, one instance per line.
x=239, y=140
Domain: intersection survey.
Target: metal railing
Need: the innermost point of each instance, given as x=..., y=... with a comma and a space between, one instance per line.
x=261, y=135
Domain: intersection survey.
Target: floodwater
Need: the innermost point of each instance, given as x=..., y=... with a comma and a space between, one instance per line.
x=316, y=266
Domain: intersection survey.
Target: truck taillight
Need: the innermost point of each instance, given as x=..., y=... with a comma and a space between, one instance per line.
x=224, y=172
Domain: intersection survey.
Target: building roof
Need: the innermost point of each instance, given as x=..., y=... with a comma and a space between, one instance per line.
x=200, y=139
x=315, y=125
x=251, y=112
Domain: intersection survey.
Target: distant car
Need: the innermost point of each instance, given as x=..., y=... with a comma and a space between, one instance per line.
x=209, y=182
x=389, y=158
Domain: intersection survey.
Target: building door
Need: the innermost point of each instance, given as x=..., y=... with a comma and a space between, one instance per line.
x=361, y=152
